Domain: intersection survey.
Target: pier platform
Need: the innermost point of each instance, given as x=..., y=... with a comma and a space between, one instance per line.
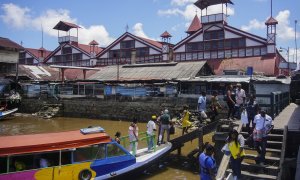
x=290, y=116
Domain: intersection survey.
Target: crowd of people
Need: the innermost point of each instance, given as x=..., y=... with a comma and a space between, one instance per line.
x=258, y=124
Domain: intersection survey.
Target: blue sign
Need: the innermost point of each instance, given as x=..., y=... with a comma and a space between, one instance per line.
x=250, y=70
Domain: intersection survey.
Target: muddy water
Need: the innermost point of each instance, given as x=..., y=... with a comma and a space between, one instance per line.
x=173, y=167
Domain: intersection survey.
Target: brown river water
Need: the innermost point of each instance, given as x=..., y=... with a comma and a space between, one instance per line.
x=172, y=167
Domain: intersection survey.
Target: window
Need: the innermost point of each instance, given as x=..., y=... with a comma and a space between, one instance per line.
x=241, y=52
x=249, y=52
x=126, y=53
x=66, y=50
x=127, y=44
x=140, y=52
x=214, y=55
x=86, y=153
x=22, y=55
x=30, y=61
x=194, y=46
x=242, y=42
x=227, y=44
x=207, y=46
x=77, y=56
x=114, y=150
x=114, y=53
x=214, y=35
x=256, y=51
x=220, y=54
x=214, y=45
x=234, y=43
x=101, y=152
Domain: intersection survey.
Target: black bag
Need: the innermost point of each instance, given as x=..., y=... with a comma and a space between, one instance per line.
x=172, y=130
x=250, y=141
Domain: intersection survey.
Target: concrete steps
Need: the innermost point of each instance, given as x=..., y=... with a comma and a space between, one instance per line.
x=254, y=176
x=270, y=170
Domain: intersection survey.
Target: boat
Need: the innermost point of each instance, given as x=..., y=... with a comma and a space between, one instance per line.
x=8, y=112
x=72, y=155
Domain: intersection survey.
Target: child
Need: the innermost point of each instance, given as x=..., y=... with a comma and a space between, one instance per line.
x=117, y=137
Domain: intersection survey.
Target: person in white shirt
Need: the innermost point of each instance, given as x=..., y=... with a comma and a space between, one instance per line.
x=202, y=105
x=151, y=128
x=263, y=126
x=133, y=132
x=240, y=100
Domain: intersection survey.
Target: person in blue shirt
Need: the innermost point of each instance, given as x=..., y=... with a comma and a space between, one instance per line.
x=208, y=167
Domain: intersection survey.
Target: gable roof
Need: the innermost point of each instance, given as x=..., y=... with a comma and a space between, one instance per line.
x=154, y=44
x=228, y=28
x=7, y=43
x=271, y=21
x=35, y=52
x=153, y=71
x=65, y=26
x=81, y=47
x=166, y=34
x=195, y=25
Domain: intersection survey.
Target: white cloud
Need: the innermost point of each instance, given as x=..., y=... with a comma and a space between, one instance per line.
x=138, y=30
x=253, y=24
x=18, y=17
x=190, y=10
x=285, y=31
x=181, y=2
x=15, y=16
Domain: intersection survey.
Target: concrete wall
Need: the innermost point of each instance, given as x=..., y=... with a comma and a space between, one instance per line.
x=113, y=109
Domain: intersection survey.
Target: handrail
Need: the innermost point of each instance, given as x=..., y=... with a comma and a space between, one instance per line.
x=147, y=138
x=225, y=160
x=282, y=152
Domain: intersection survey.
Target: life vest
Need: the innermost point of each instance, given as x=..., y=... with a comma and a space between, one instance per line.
x=204, y=168
x=235, y=149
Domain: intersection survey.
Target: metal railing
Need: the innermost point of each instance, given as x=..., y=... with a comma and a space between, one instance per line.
x=144, y=137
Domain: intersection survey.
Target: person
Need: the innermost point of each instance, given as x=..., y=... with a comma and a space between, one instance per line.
x=236, y=144
x=44, y=163
x=208, y=167
x=165, y=122
x=186, y=124
x=133, y=135
x=151, y=127
x=214, y=105
x=117, y=137
x=202, y=105
x=230, y=100
x=263, y=126
x=252, y=110
x=19, y=165
x=240, y=100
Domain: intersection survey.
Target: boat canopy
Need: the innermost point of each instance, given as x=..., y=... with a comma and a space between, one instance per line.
x=24, y=144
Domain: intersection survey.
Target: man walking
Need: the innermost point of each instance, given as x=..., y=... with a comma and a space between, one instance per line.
x=151, y=128
x=263, y=126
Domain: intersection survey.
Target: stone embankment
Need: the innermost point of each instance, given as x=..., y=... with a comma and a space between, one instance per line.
x=113, y=108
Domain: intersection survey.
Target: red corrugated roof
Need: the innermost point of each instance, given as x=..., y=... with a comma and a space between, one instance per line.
x=65, y=26
x=154, y=43
x=7, y=43
x=195, y=25
x=36, y=52
x=266, y=65
x=271, y=21
x=21, y=144
x=88, y=48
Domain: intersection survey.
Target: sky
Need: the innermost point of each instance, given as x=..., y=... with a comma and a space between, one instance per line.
x=27, y=21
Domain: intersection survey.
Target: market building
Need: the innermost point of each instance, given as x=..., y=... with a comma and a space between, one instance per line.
x=31, y=56
x=70, y=52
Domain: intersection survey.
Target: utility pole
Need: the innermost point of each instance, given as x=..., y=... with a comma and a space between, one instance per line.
x=296, y=43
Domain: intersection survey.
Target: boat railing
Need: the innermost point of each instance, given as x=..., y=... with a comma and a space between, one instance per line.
x=144, y=137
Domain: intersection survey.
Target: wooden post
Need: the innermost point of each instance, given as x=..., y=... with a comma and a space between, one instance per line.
x=179, y=151
x=200, y=139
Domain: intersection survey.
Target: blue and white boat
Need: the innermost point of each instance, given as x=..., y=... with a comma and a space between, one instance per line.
x=8, y=112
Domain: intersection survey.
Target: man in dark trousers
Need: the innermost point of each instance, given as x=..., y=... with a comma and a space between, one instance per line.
x=208, y=164
x=165, y=126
